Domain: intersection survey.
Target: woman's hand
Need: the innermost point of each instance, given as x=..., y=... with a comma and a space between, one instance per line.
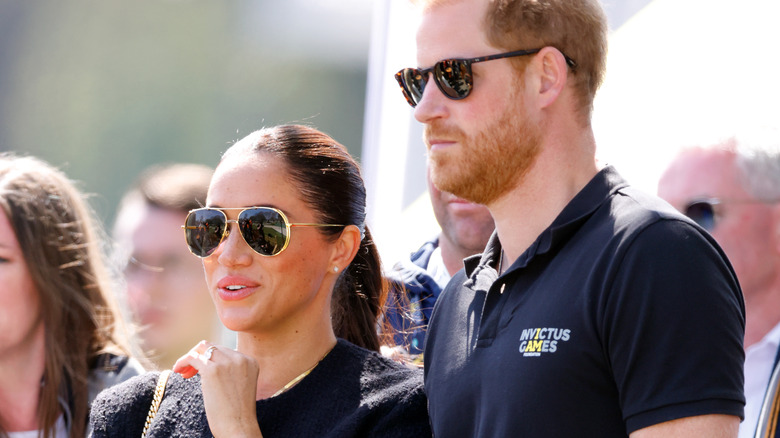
x=229, y=385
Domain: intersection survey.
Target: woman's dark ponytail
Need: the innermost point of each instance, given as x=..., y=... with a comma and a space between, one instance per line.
x=359, y=297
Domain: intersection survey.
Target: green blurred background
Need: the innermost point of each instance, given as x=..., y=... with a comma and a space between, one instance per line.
x=105, y=88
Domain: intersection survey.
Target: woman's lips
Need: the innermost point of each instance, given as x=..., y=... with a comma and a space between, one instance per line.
x=233, y=287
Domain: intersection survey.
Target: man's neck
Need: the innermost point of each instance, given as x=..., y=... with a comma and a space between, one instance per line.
x=558, y=174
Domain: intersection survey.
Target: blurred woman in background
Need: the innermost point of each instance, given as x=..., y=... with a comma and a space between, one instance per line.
x=61, y=338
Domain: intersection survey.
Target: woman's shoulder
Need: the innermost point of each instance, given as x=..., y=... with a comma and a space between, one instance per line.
x=111, y=369
x=139, y=390
x=352, y=392
x=122, y=409
x=393, y=390
x=379, y=372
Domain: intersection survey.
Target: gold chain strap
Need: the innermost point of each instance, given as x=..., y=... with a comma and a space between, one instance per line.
x=158, y=396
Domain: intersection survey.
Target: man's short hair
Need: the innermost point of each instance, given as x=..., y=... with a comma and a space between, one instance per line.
x=578, y=28
x=180, y=187
x=757, y=157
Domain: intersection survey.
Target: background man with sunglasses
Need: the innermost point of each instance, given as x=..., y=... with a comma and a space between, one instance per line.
x=595, y=310
x=731, y=188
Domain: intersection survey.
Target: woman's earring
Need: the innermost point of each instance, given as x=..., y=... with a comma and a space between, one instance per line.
x=335, y=269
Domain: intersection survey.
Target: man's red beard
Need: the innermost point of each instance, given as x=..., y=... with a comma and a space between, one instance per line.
x=483, y=167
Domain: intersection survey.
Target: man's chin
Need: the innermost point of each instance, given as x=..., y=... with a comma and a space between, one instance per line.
x=442, y=177
x=459, y=186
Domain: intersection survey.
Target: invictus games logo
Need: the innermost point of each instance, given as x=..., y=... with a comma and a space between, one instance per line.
x=536, y=341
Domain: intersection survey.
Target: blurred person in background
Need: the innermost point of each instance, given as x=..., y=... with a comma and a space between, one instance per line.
x=166, y=290
x=417, y=281
x=62, y=339
x=731, y=187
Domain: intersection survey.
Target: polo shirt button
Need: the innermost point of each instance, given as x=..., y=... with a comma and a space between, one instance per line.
x=502, y=288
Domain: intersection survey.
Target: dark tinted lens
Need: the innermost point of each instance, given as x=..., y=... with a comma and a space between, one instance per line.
x=702, y=213
x=413, y=82
x=454, y=78
x=203, y=230
x=264, y=230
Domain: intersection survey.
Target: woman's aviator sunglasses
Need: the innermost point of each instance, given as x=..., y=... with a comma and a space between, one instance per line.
x=452, y=76
x=265, y=229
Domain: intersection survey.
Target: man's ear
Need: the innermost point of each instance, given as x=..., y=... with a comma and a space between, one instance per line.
x=553, y=73
x=345, y=248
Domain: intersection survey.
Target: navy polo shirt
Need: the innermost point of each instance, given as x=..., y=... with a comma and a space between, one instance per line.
x=621, y=315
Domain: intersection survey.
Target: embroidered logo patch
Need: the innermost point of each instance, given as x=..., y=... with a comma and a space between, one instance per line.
x=535, y=341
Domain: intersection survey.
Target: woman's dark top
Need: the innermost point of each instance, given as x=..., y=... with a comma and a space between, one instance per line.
x=353, y=392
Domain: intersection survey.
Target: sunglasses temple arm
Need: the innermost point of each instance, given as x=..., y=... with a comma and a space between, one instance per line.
x=315, y=225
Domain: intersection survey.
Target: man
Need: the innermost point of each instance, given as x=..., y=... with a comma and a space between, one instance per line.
x=595, y=310
x=418, y=280
x=732, y=189
x=166, y=289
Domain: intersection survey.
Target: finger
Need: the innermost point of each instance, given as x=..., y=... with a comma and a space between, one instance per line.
x=208, y=354
x=192, y=362
x=202, y=346
x=187, y=365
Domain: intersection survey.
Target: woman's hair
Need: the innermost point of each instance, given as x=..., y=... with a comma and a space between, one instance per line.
x=59, y=242
x=330, y=183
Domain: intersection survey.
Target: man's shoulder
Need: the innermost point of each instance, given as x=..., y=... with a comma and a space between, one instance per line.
x=640, y=232
x=630, y=200
x=608, y=209
x=632, y=216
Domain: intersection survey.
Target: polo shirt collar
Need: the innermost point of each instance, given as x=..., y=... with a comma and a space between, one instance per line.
x=598, y=190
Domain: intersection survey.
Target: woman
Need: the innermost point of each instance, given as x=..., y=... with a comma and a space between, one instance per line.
x=60, y=342
x=291, y=268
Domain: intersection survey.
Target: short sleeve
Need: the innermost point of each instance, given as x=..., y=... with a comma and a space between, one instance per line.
x=673, y=326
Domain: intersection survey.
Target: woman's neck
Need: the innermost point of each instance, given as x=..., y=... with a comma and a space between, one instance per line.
x=284, y=358
x=21, y=371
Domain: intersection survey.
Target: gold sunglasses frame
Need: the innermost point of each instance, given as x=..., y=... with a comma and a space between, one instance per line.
x=226, y=233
